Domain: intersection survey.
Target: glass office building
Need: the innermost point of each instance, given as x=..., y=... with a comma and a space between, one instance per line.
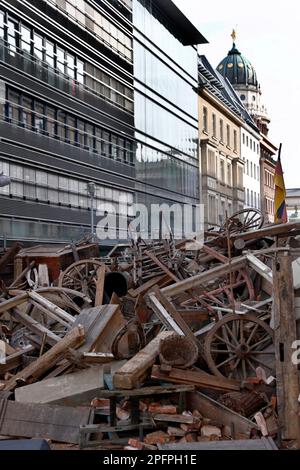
x=94, y=91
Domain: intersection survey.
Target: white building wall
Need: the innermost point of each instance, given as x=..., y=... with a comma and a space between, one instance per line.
x=250, y=153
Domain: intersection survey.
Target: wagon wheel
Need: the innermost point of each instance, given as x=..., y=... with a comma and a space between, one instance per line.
x=81, y=276
x=237, y=345
x=222, y=295
x=244, y=221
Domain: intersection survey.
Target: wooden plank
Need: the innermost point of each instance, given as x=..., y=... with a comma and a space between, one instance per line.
x=57, y=423
x=199, y=379
x=49, y=359
x=131, y=374
x=50, y=314
x=180, y=419
x=43, y=275
x=241, y=444
x=146, y=286
x=161, y=265
x=77, y=388
x=15, y=359
x=287, y=381
x=23, y=273
x=100, y=286
x=200, y=279
x=7, y=305
x=221, y=414
x=176, y=317
x=101, y=325
x=9, y=255
x=35, y=327
x=261, y=268
x=52, y=307
x=146, y=391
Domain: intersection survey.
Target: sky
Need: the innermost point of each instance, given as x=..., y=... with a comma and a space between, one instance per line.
x=268, y=34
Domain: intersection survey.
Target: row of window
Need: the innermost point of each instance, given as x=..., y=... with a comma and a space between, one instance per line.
x=270, y=206
x=94, y=21
x=22, y=110
x=222, y=130
x=251, y=143
x=24, y=42
x=26, y=182
x=251, y=169
x=269, y=179
x=217, y=210
x=218, y=168
x=252, y=199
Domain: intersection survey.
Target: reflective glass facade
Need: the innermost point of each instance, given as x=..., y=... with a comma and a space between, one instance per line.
x=166, y=107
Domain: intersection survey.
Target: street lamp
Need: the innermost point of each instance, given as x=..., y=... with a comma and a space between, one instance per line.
x=91, y=188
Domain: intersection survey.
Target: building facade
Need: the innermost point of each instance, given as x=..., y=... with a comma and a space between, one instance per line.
x=220, y=125
x=80, y=102
x=268, y=166
x=293, y=204
x=237, y=69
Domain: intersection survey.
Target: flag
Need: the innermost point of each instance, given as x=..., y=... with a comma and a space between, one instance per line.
x=280, y=193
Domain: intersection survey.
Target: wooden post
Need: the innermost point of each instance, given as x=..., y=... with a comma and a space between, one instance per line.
x=285, y=335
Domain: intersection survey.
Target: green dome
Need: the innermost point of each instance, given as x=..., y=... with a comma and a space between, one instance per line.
x=238, y=69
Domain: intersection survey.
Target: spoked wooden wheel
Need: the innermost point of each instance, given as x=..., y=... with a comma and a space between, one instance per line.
x=245, y=221
x=237, y=345
x=81, y=276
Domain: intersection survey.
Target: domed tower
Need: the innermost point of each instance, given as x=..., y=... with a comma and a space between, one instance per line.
x=242, y=75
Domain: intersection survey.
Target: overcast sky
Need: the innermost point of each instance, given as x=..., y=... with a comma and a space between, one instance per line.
x=269, y=36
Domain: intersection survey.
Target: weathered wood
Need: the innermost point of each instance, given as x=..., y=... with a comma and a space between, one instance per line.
x=51, y=307
x=50, y=314
x=15, y=359
x=285, y=334
x=199, y=379
x=43, y=275
x=131, y=374
x=161, y=265
x=22, y=273
x=261, y=268
x=58, y=423
x=74, y=389
x=146, y=286
x=156, y=297
x=219, y=413
x=14, y=302
x=100, y=286
x=39, y=367
x=146, y=391
x=34, y=326
x=180, y=419
x=9, y=255
x=101, y=325
x=200, y=279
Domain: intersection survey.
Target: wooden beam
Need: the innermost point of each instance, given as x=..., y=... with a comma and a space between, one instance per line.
x=13, y=302
x=100, y=286
x=48, y=360
x=285, y=334
x=156, y=297
x=51, y=307
x=199, y=379
x=34, y=326
x=133, y=372
x=161, y=265
x=200, y=279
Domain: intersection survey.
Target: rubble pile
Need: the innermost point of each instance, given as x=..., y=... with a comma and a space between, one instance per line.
x=156, y=345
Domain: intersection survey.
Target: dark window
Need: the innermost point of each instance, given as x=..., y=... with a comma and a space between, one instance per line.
x=228, y=134
x=61, y=125
x=71, y=122
x=205, y=123
x=27, y=112
x=13, y=107
x=214, y=125
x=51, y=121
x=80, y=132
x=105, y=144
x=89, y=136
x=39, y=117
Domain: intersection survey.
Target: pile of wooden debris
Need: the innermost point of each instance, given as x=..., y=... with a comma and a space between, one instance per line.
x=154, y=345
